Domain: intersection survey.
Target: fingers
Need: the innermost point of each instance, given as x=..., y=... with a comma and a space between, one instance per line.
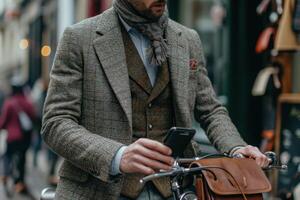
x=155, y=146
x=146, y=156
x=154, y=155
x=262, y=161
x=153, y=164
x=142, y=169
x=254, y=152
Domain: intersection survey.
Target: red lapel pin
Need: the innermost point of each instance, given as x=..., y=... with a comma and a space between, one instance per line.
x=193, y=64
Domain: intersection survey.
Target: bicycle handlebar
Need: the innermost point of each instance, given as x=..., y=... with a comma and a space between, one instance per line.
x=178, y=170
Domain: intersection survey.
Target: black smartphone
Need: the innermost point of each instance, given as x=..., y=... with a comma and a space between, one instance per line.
x=178, y=139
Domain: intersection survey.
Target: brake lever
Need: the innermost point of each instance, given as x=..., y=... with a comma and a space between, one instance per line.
x=172, y=173
x=154, y=176
x=279, y=167
x=273, y=162
x=187, y=160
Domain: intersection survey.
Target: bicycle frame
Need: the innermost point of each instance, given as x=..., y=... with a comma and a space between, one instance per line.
x=176, y=176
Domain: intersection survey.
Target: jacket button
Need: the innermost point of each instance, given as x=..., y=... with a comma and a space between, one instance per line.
x=150, y=105
x=150, y=126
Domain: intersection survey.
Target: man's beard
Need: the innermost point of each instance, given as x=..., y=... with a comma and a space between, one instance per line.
x=149, y=14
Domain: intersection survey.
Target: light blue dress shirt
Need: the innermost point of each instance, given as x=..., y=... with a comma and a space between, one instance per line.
x=143, y=46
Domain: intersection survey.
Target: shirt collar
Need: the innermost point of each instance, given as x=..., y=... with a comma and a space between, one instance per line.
x=127, y=27
x=133, y=31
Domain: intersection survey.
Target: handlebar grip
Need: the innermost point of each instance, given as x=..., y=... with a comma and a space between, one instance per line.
x=273, y=161
x=272, y=157
x=280, y=167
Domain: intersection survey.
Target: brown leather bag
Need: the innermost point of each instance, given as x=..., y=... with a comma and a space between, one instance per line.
x=230, y=178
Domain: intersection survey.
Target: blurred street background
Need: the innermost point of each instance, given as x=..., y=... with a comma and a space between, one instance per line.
x=251, y=50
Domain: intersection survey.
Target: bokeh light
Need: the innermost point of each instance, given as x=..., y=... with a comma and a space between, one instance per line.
x=24, y=44
x=46, y=51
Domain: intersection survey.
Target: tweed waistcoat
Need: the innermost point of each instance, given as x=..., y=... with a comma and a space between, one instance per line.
x=152, y=111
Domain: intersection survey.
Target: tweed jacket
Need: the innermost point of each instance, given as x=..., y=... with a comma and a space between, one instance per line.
x=88, y=109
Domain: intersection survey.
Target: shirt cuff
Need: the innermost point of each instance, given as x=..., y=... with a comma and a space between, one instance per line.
x=234, y=149
x=115, y=165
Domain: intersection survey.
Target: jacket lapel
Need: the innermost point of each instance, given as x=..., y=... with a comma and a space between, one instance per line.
x=162, y=81
x=110, y=49
x=111, y=53
x=179, y=68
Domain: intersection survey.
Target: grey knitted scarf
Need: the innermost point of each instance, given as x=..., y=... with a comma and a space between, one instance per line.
x=153, y=29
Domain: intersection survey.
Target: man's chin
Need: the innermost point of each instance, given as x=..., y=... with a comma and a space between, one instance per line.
x=154, y=14
x=158, y=13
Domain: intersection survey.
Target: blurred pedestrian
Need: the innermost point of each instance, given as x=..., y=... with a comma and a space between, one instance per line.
x=13, y=116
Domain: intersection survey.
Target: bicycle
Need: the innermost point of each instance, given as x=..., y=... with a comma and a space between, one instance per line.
x=178, y=172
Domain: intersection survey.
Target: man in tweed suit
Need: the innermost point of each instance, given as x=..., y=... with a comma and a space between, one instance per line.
x=120, y=80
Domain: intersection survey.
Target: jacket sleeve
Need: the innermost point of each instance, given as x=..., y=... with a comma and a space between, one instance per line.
x=61, y=129
x=208, y=111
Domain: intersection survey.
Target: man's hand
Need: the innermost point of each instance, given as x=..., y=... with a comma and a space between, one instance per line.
x=254, y=152
x=146, y=156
